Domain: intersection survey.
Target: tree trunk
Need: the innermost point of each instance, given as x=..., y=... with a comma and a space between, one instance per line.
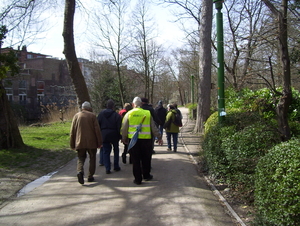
x=10, y=136
x=285, y=100
x=205, y=61
x=70, y=53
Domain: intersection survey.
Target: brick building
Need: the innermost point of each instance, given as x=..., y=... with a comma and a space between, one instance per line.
x=42, y=82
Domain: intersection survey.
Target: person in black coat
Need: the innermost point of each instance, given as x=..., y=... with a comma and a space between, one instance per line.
x=110, y=124
x=161, y=113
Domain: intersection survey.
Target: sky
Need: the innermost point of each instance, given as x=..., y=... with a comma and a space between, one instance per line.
x=51, y=42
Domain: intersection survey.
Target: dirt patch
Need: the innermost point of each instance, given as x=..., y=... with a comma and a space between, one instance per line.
x=14, y=179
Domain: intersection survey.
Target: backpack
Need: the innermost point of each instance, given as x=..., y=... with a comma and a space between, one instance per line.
x=177, y=120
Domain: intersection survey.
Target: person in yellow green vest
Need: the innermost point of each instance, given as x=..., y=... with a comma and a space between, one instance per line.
x=141, y=152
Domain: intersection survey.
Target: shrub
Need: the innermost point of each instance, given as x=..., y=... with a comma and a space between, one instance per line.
x=192, y=110
x=263, y=101
x=277, y=187
x=233, y=148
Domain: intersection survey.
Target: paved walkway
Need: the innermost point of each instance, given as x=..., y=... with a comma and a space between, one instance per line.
x=177, y=195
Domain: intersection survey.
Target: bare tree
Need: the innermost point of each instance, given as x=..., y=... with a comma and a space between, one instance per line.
x=70, y=53
x=145, y=49
x=202, y=14
x=112, y=36
x=244, y=28
x=280, y=14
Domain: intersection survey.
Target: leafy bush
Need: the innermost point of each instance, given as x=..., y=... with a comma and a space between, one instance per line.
x=232, y=148
x=277, y=188
x=192, y=110
x=263, y=101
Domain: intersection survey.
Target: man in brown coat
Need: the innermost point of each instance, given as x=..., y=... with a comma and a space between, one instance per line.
x=85, y=137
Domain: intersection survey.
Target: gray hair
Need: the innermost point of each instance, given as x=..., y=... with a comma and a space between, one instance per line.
x=86, y=105
x=137, y=101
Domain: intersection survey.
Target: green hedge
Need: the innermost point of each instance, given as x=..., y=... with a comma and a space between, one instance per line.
x=277, y=188
x=233, y=148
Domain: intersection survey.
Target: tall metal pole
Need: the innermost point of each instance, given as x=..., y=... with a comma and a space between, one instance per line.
x=220, y=50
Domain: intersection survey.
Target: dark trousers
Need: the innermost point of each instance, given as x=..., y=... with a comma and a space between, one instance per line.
x=106, y=154
x=141, y=159
x=82, y=154
x=175, y=140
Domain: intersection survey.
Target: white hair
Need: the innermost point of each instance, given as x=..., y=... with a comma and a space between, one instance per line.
x=137, y=101
x=86, y=105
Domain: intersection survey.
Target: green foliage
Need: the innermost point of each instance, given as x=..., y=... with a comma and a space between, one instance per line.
x=233, y=147
x=192, y=110
x=277, y=189
x=263, y=101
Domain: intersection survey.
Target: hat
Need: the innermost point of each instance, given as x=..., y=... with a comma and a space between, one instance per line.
x=145, y=100
x=86, y=105
x=160, y=103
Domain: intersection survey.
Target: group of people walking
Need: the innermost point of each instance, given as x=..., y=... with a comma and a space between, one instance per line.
x=137, y=125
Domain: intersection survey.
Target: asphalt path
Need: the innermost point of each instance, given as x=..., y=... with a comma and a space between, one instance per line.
x=177, y=195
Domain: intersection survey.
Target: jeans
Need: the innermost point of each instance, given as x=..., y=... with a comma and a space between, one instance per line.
x=106, y=155
x=175, y=140
x=101, y=161
x=161, y=129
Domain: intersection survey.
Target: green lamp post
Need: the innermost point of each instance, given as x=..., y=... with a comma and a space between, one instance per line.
x=220, y=50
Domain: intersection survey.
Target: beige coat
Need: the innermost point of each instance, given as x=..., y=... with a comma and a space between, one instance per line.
x=85, y=131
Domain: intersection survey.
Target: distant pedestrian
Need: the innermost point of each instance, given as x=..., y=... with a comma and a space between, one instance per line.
x=110, y=124
x=141, y=152
x=85, y=137
x=161, y=113
x=127, y=107
x=171, y=129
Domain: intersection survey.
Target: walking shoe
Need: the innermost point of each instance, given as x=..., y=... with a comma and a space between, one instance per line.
x=80, y=178
x=175, y=150
x=101, y=164
x=153, y=152
x=149, y=178
x=169, y=149
x=124, y=158
x=108, y=172
x=91, y=179
x=117, y=169
x=137, y=182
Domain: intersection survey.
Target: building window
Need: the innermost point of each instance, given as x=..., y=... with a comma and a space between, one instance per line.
x=29, y=56
x=22, y=98
x=22, y=92
x=8, y=88
x=40, y=87
x=40, y=91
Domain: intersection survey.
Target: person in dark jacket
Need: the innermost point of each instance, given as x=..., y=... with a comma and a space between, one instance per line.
x=110, y=125
x=161, y=113
x=147, y=106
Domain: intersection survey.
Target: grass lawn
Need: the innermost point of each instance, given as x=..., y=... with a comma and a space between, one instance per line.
x=47, y=148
